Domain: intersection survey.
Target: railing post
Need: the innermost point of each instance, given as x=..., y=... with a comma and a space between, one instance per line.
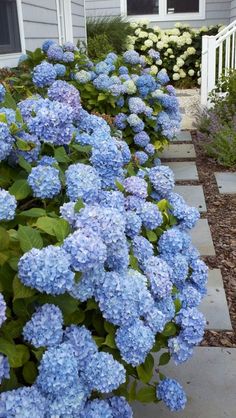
x=208, y=69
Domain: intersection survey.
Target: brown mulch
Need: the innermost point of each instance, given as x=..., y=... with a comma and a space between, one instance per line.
x=221, y=215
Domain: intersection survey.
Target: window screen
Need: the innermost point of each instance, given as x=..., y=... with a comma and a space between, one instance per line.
x=182, y=6
x=142, y=7
x=9, y=27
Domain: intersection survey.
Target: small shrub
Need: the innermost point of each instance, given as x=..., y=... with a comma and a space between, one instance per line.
x=116, y=30
x=98, y=46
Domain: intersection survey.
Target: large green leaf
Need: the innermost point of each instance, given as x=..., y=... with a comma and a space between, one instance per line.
x=145, y=370
x=4, y=239
x=54, y=226
x=29, y=372
x=20, y=291
x=20, y=189
x=146, y=394
x=17, y=354
x=61, y=155
x=29, y=238
x=164, y=359
x=33, y=213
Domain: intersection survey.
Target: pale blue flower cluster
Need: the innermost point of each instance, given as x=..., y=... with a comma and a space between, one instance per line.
x=2, y=92
x=44, y=181
x=82, y=181
x=8, y=205
x=67, y=94
x=6, y=141
x=44, y=74
x=172, y=394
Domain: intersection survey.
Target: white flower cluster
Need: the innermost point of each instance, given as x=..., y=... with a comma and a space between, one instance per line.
x=179, y=48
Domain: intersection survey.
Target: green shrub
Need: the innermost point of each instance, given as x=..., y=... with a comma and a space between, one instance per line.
x=98, y=46
x=116, y=30
x=223, y=147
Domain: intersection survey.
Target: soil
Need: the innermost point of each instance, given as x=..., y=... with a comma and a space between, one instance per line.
x=221, y=215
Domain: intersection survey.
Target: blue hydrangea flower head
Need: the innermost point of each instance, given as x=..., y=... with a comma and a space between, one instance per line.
x=135, y=122
x=131, y=57
x=136, y=105
x=141, y=139
x=134, y=341
x=97, y=408
x=162, y=77
x=123, y=70
x=45, y=327
x=136, y=186
x=102, y=373
x=120, y=121
x=2, y=92
x=162, y=179
x=172, y=394
x=150, y=149
x=4, y=368
x=44, y=181
x=9, y=113
x=173, y=241
x=47, y=270
x=44, y=74
x=68, y=213
x=125, y=151
x=158, y=273
x=68, y=404
x=120, y=407
x=83, y=76
x=55, y=52
x=60, y=70
x=46, y=44
x=154, y=54
x=82, y=342
x=141, y=157
x=180, y=350
x=45, y=160
x=64, y=92
x=155, y=319
x=192, y=323
x=58, y=371
x=32, y=154
x=133, y=224
x=6, y=141
x=8, y=205
x=82, y=182
x=86, y=249
x=142, y=249
x=151, y=216
x=167, y=307
x=25, y=402
x=69, y=46
x=189, y=296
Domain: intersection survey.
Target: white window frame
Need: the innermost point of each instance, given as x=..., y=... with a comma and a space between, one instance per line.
x=11, y=60
x=64, y=19
x=163, y=16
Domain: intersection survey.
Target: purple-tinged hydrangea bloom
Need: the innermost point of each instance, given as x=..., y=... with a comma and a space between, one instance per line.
x=159, y=273
x=172, y=394
x=141, y=156
x=84, y=347
x=134, y=203
x=4, y=369
x=69, y=46
x=45, y=327
x=3, y=307
x=103, y=373
x=180, y=351
x=8, y=205
x=86, y=250
x=120, y=121
x=44, y=74
x=150, y=149
x=141, y=139
x=44, y=181
x=136, y=105
x=154, y=54
x=120, y=407
x=47, y=270
x=82, y=182
x=131, y=57
x=55, y=52
x=6, y=141
x=136, y=186
x=162, y=179
x=192, y=323
x=58, y=372
x=2, y=92
x=67, y=94
x=142, y=249
x=151, y=216
x=25, y=402
x=134, y=341
x=97, y=408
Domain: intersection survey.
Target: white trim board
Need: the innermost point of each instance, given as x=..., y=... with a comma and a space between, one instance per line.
x=163, y=16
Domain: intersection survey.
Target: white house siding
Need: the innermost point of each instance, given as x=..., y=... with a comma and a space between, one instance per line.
x=233, y=10
x=78, y=20
x=217, y=11
x=40, y=22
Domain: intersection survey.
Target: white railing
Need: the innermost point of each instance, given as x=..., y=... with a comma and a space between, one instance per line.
x=218, y=57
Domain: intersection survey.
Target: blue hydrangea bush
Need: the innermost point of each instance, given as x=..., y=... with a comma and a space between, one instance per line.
x=138, y=98
x=97, y=271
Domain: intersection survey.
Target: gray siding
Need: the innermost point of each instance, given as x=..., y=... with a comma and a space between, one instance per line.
x=78, y=20
x=233, y=10
x=40, y=22
x=217, y=11
x=98, y=8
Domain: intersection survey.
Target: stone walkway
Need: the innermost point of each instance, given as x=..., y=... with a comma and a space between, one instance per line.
x=209, y=377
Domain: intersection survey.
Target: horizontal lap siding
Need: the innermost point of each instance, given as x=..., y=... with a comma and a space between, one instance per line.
x=217, y=11
x=40, y=22
x=99, y=8
x=78, y=20
x=233, y=10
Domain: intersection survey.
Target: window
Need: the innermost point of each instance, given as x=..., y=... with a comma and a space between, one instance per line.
x=9, y=27
x=161, y=10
